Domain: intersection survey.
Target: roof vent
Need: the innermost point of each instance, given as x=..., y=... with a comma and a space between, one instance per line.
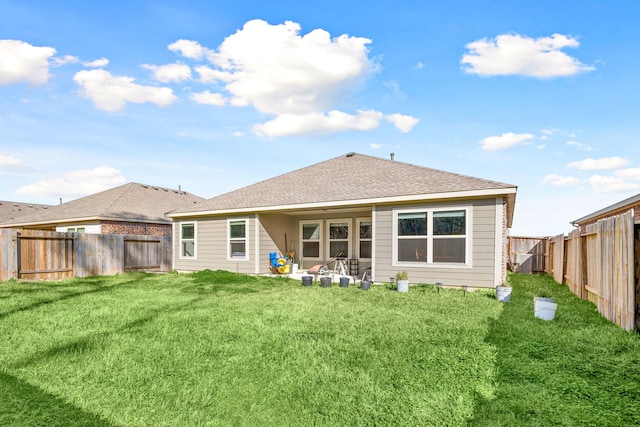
x=392, y=155
x=350, y=154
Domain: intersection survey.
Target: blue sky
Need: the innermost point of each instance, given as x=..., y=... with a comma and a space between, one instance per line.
x=213, y=95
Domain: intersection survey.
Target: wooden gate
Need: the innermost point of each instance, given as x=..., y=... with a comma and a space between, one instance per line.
x=140, y=254
x=45, y=255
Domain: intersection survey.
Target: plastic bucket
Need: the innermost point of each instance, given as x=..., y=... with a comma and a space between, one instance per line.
x=403, y=286
x=365, y=285
x=544, y=309
x=325, y=282
x=307, y=280
x=503, y=293
x=344, y=282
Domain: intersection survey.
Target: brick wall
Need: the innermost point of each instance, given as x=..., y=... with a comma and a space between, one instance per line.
x=116, y=227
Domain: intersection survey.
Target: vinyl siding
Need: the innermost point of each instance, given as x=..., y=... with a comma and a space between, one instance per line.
x=272, y=231
x=482, y=270
x=211, y=246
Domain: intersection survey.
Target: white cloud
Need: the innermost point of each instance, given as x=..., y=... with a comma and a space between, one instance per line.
x=111, y=93
x=506, y=140
x=76, y=183
x=9, y=161
x=599, y=164
x=21, y=62
x=299, y=79
x=631, y=173
x=209, y=98
x=209, y=75
x=608, y=184
x=170, y=73
x=560, y=181
x=280, y=72
x=418, y=66
x=11, y=165
x=402, y=122
x=318, y=123
x=580, y=145
x=62, y=60
x=513, y=54
x=189, y=49
x=97, y=63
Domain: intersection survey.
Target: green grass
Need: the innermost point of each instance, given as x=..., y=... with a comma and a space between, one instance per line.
x=216, y=348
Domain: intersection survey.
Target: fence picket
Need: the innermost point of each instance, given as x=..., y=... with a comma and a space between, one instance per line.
x=47, y=255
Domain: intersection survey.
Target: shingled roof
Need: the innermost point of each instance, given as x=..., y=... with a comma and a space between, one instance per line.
x=349, y=179
x=13, y=210
x=132, y=202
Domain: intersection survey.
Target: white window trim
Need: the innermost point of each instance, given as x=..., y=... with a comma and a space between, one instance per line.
x=357, y=233
x=247, y=230
x=429, y=263
x=328, y=240
x=320, y=239
x=195, y=240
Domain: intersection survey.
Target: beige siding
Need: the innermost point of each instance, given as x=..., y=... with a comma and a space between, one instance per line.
x=273, y=229
x=211, y=246
x=482, y=270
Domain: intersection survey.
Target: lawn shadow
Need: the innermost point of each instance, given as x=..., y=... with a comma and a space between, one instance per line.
x=24, y=404
x=63, y=297
x=93, y=342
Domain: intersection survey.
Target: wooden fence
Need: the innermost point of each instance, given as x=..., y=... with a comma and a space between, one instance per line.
x=601, y=264
x=529, y=254
x=47, y=255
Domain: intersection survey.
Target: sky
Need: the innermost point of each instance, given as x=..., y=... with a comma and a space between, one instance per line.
x=211, y=96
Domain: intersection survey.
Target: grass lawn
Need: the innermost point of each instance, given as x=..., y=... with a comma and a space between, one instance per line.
x=215, y=348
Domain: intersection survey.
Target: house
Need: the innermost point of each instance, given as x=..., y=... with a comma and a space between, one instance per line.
x=13, y=210
x=128, y=209
x=378, y=213
x=632, y=203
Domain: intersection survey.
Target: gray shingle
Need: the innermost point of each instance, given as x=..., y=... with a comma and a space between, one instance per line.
x=13, y=210
x=347, y=178
x=129, y=202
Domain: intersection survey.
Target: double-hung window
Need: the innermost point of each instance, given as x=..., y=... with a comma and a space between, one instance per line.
x=432, y=236
x=365, y=228
x=449, y=236
x=187, y=240
x=237, y=239
x=338, y=231
x=311, y=232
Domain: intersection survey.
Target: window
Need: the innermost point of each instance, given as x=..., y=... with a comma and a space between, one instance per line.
x=449, y=235
x=412, y=237
x=188, y=240
x=365, y=230
x=238, y=239
x=311, y=232
x=432, y=236
x=338, y=231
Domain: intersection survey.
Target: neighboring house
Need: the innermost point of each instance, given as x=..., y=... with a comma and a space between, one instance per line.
x=387, y=215
x=13, y=210
x=615, y=209
x=128, y=209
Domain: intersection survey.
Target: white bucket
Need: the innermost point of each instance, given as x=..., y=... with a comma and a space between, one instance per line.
x=403, y=286
x=294, y=268
x=503, y=293
x=544, y=309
